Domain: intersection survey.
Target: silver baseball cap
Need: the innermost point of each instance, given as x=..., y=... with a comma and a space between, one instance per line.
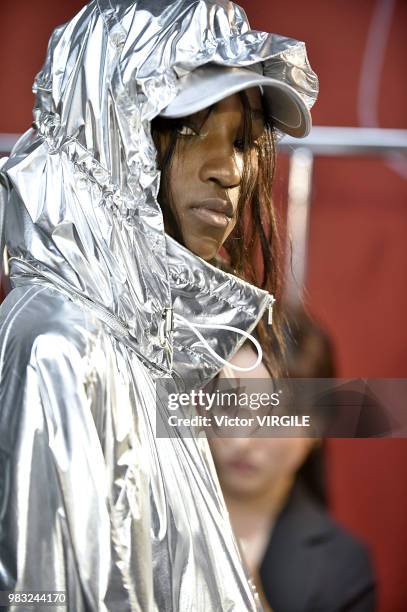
x=210, y=83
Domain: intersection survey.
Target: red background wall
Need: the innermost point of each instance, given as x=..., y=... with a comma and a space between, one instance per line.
x=356, y=281
x=356, y=271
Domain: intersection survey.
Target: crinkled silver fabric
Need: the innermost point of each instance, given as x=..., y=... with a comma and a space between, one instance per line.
x=92, y=503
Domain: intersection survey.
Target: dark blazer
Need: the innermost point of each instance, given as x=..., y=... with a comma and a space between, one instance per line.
x=312, y=565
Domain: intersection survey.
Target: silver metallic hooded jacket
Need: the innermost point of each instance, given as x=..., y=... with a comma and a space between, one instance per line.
x=91, y=501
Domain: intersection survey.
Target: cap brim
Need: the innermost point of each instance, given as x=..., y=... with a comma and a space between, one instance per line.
x=209, y=84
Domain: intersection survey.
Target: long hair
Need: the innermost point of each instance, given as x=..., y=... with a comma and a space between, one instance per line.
x=253, y=249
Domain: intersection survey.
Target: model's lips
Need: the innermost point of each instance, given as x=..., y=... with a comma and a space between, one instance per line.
x=214, y=211
x=242, y=466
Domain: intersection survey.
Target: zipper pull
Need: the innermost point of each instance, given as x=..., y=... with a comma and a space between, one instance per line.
x=166, y=327
x=169, y=320
x=270, y=309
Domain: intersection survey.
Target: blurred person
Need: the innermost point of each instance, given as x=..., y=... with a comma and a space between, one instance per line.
x=154, y=137
x=300, y=558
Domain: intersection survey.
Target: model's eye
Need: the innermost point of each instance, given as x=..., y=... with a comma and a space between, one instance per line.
x=187, y=130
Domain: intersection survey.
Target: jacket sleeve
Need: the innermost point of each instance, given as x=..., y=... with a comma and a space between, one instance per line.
x=54, y=521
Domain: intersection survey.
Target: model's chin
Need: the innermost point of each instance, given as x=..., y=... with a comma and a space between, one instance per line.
x=206, y=248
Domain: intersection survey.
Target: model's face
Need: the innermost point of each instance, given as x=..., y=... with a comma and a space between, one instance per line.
x=251, y=466
x=206, y=172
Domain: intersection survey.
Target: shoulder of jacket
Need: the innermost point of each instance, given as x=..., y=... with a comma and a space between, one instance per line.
x=349, y=548
x=344, y=561
x=346, y=568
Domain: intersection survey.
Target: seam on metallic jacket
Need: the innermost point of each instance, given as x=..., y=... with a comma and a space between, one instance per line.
x=11, y=321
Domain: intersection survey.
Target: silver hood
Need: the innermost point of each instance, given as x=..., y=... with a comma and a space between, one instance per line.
x=85, y=181
x=101, y=508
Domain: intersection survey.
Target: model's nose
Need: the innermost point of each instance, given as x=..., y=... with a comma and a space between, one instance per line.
x=222, y=166
x=240, y=446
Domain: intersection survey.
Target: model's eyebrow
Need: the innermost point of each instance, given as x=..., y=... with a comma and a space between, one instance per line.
x=200, y=117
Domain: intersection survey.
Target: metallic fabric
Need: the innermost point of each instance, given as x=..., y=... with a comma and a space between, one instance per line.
x=91, y=501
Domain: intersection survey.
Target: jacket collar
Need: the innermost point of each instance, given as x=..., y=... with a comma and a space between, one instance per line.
x=303, y=517
x=202, y=293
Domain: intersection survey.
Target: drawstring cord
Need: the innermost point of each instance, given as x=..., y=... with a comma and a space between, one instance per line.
x=193, y=327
